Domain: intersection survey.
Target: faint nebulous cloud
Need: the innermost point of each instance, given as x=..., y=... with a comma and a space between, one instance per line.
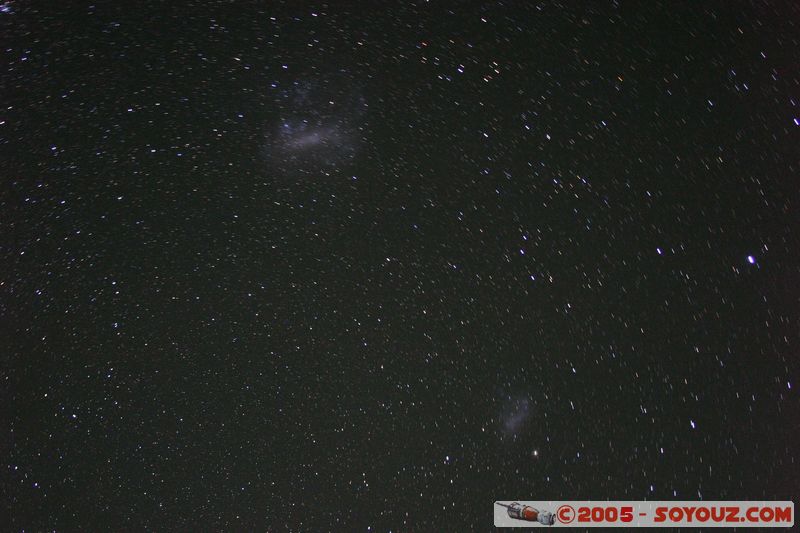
x=317, y=125
x=514, y=416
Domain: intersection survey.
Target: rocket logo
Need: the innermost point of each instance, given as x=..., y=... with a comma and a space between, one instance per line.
x=528, y=513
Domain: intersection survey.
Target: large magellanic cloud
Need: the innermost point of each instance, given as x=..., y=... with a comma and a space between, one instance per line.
x=317, y=126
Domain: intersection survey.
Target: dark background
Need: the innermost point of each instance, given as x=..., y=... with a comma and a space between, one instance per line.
x=526, y=276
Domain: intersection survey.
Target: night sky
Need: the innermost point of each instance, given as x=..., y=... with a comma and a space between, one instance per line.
x=330, y=267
